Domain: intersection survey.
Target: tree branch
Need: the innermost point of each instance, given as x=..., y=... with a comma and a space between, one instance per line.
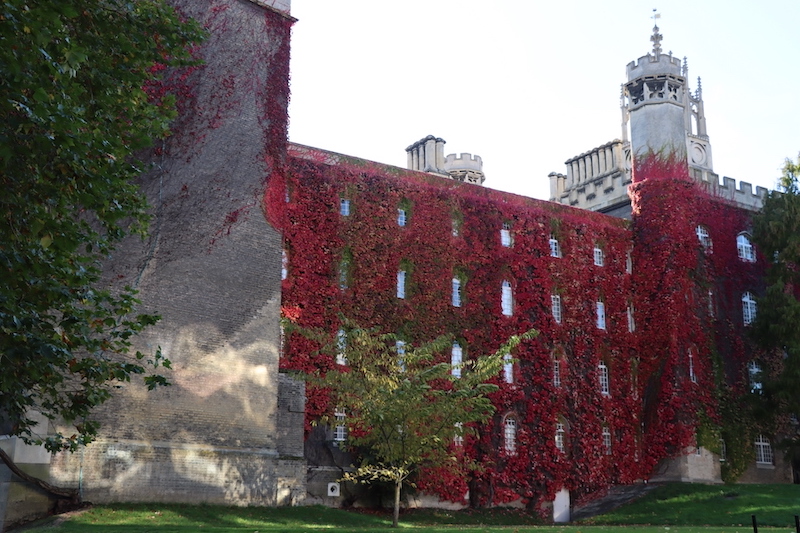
x=70, y=494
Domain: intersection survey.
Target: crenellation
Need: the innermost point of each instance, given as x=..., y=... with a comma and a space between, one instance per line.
x=742, y=193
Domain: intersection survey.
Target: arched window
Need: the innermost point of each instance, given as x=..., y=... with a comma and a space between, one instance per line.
x=510, y=435
x=745, y=248
x=507, y=299
x=704, y=238
x=456, y=358
x=561, y=437
x=456, y=295
x=607, y=441
x=600, y=307
x=555, y=304
x=401, y=283
x=748, y=308
x=605, y=384
x=341, y=347
x=508, y=369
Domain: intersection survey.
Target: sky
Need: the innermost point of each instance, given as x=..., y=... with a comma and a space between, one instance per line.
x=528, y=84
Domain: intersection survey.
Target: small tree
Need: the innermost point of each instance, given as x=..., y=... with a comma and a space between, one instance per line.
x=402, y=409
x=776, y=232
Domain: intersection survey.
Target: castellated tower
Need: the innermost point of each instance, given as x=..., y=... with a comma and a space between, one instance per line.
x=664, y=118
x=427, y=155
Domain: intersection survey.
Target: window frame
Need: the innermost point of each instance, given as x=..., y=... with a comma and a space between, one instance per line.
x=599, y=256
x=506, y=239
x=745, y=249
x=402, y=274
x=764, y=452
x=456, y=294
x=704, y=237
x=749, y=308
x=555, y=247
x=344, y=207
x=600, y=314
x=604, y=378
x=456, y=359
x=510, y=434
x=507, y=298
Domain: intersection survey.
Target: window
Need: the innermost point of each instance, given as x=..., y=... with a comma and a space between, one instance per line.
x=506, y=299
x=402, y=217
x=458, y=438
x=510, y=435
x=555, y=248
x=745, y=248
x=599, y=257
x=341, y=347
x=555, y=305
x=561, y=438
x=456, y=357
x=456, y=296
x=631, y=322
x=401, y=283
x=704, y=238
x=602, y=372
x=601, y=315
x=763, y=451
x=400, y=348
x=748, y=308
x=284, y=264
x=754, y=376
x=723, y=451
x=344, y=273
x=607, y=440
x=711, y=303
x=340, y=429
x=344, y=207
x=692, y=374
x=508, y=369
x=505, y=235
x=556, y=372
x=629, y=262
x=456, y=222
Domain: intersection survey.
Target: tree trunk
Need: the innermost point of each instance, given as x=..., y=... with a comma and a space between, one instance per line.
x=396, y=518
x=70, y=494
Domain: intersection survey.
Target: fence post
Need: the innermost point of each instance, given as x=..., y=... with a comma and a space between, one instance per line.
x=755, y=524
x=797, y=523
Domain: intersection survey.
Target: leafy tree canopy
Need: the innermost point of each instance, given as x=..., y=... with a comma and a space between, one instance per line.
x=401, y=408
x=776, y=232
x=73, y=108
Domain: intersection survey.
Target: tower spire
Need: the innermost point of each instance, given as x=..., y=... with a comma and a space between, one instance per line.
x=656, y=38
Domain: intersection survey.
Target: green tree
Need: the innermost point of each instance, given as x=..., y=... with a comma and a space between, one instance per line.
x=776, y=232
x=402, y=409
x=74, y=108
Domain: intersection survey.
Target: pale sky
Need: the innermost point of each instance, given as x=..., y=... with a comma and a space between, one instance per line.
x=528, y=84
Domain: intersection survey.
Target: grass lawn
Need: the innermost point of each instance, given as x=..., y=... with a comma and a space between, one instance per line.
x=676, y=508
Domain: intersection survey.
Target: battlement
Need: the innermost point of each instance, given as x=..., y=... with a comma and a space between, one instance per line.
x=463, y=162
x=743, y=195
x=651, y=65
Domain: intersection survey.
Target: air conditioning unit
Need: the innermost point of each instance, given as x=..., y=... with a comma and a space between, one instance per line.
x=334, y=490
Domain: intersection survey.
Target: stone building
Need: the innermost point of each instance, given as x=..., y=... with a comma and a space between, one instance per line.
x=639, y=319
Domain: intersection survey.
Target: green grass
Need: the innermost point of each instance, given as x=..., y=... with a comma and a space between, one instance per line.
x=676, y=508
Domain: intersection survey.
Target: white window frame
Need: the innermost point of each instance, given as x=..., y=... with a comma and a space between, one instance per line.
x=606, y=440
x=343, y=274
x=560, y=438
x=600, y=309
x=705, y=238
x=692, y=373
x=723, y=451
x=599, y=256
x=508, y=369
x=604, y=379
x=458, y=438
x=401, y=284
x=284, y=264
x=505, y=235
x=506, y=298
x=341, y=347
x=631, y=320
x=629, y=262
x=344, y=207
x=340, y=428
x=556, y=308
x=764, y=455
x=456, y=360
x=510, y=435
x=455, y=298
x=402, y=217
x=749, y=308
x=556, y=372
x=745, y=249
x=400, y=348
x=754, y=373
x=555, y=247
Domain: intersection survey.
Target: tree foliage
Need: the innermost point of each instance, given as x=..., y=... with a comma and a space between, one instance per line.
x=403, y=409
x=776, y=232
x=73, y=110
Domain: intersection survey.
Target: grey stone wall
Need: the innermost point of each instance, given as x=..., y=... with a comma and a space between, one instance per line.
x=211, y=267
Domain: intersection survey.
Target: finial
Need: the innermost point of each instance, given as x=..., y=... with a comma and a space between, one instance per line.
x=699, y=87
x=685, y=72
x=656, y=38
